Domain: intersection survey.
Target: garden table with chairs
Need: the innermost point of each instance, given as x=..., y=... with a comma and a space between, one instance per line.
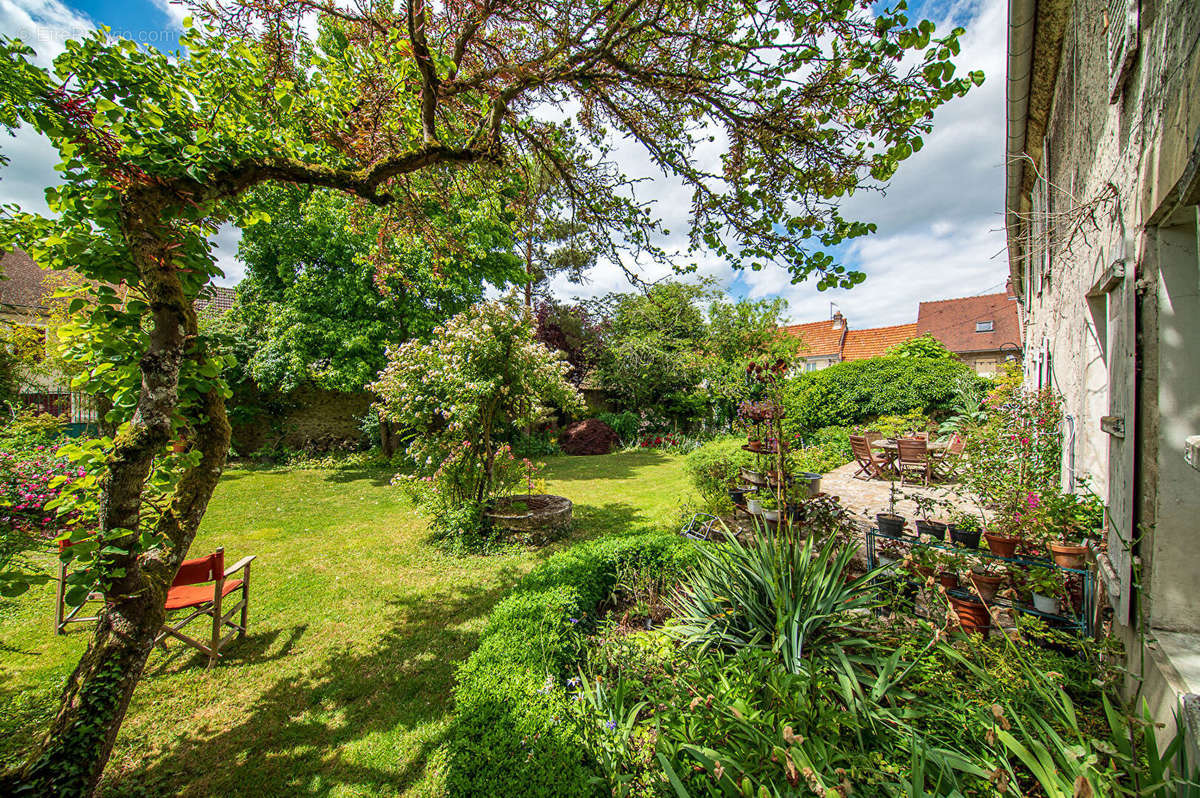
x=879, y=457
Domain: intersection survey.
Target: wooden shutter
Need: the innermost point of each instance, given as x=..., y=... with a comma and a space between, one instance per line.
x=1122, y=19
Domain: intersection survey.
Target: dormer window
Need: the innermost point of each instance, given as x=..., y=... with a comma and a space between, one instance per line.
x=983, y=326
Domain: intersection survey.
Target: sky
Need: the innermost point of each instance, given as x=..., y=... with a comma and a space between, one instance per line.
x=939, y=220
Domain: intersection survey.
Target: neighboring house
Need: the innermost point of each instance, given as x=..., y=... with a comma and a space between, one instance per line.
x=24, y=290
x=1103, y=182
x=875, y=341
x=821, y=342
x=984, y=331
x=215, y=298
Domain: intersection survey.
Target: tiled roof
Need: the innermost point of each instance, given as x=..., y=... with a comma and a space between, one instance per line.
x=24, y=285
x=875, y=341
x=953, y=322
x=215, y=297
x=819, y=338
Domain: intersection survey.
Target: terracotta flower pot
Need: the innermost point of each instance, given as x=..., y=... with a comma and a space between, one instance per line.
x=755, y=446
x=972, y=616
x=1068, y=556
x=1002, y=545
x=948, y=579
x=987, y=584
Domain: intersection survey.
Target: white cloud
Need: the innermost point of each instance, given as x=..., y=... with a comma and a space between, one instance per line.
x=938, y=221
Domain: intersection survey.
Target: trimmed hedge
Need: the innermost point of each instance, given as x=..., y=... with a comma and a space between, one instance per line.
x=847, y=393
x=509, y=735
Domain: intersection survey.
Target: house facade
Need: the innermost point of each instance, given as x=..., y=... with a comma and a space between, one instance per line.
x=821, y=342
x=1103, y=186
x=983, y=331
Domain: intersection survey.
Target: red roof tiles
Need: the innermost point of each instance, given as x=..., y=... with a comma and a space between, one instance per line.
x=958, y=323
x=875, y=341
x=819, y=338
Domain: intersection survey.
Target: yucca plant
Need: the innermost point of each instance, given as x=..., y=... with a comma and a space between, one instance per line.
x=777, y=593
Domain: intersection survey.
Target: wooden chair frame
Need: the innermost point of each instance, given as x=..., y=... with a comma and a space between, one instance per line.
x=63, y=617
x=913, y=456
x=870, y=466
x=216, y=608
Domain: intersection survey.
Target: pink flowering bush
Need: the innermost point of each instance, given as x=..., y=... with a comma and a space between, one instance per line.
x=481, y=378
x=29, y=481
x=1013, y=460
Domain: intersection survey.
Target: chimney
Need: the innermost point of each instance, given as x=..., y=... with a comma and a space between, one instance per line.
x=838, y=321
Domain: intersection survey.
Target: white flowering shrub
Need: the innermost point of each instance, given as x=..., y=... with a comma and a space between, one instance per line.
x=481, y=377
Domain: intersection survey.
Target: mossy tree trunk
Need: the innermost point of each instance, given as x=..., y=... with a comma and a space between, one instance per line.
x=72, y=756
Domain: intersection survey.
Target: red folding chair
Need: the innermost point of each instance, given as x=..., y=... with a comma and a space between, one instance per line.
x=201, y=587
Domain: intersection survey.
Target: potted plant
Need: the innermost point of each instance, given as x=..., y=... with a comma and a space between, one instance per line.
x=770, y=506
x=987, y=577
x=922, y=562
x=949, y=565
x=1047, y=587
x=1002, y=545
x=1066, y=515
x=972, y=615
x=754, y=503
x=965, y=529
x=752, y=476
x=891, y=524
x=934, y=530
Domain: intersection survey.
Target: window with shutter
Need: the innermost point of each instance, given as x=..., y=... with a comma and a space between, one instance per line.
x=1122, y=20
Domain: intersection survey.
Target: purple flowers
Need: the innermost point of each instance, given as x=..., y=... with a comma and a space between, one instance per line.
x=611, y=725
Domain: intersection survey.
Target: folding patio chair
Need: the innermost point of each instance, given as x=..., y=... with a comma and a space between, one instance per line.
x=913, y=457
x=201, y=587
x=870, y=465
x=61, y=616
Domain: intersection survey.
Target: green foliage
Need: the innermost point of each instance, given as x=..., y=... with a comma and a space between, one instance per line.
x=715, y=465
x=925, y=346
x=663, y=353
x=1014, y=462
x=321, y=308
x=776, y=593
x=896, y=425
x=848, y=393
x=626, y=424
x=510, y=734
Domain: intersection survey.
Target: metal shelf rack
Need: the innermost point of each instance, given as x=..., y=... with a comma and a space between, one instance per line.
x=1081, y=622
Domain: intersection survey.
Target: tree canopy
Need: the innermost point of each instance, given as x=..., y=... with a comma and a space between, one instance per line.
x=313, y=305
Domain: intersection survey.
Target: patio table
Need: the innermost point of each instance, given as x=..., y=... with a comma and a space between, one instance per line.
x=891, y=450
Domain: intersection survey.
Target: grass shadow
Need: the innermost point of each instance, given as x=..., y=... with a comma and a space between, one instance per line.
x=294, y=737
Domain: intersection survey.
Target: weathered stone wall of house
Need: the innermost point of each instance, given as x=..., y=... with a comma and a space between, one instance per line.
x=315, y=419
x=1110, y=166
x=1123, y=187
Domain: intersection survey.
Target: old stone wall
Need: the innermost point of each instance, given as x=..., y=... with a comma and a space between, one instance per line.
x=1108, y=167
x=314, y=419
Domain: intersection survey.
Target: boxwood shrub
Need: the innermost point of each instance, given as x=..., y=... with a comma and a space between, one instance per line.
x=847, y=393
x=510, y=734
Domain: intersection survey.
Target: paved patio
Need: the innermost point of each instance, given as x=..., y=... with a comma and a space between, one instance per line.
x=864, y=498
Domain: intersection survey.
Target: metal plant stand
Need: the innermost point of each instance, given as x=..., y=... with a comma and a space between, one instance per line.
x=1082, y=622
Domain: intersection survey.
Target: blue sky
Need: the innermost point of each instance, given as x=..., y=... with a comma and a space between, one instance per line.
x=939, y=221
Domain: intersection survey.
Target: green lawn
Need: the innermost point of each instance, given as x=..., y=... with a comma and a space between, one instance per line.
x=356, y=625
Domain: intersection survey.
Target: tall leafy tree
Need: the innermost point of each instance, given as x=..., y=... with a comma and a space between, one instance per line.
x=404, y=104
x=318, y=309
